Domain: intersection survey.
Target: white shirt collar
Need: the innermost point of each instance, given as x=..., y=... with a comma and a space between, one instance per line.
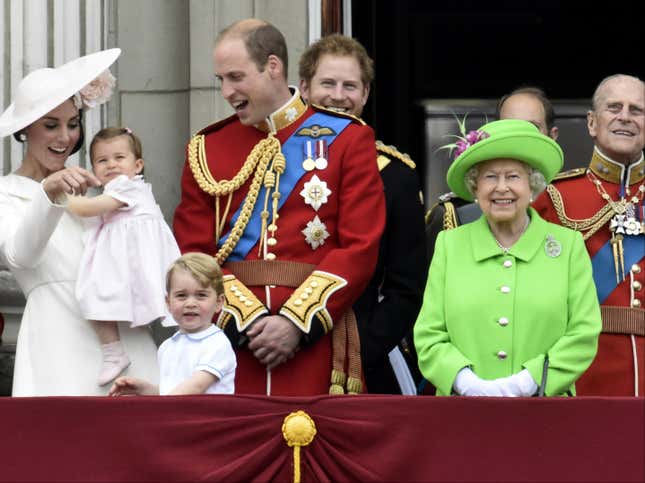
x=202, y=334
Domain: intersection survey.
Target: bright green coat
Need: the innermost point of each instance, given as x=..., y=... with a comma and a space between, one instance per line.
x=551, y=307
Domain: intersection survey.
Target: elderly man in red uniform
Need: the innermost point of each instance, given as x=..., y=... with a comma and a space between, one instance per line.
x=605, y=203
x=289, y=201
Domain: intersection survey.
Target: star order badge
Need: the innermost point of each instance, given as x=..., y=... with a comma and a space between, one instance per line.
x=315, y=233
x=552, y=247
x=315, y=192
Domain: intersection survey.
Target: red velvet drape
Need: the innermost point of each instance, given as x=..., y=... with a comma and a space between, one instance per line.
x=359, y=438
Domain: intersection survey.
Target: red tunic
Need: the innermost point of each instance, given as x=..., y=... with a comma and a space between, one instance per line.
x=620, y=360
x=353, y=215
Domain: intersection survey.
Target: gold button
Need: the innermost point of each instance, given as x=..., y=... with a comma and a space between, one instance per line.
x=297, y=302
x=241, y=297
x=313, y=284
x=272, y=242
x=248, y=303
x=637, y=285
x=309, y=290
x=233, y=288
x=304, y=296
x=636, y=303
x=270, y=256
x=636, y=268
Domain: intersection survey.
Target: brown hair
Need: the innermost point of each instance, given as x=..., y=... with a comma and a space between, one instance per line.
x=202, y=267
x=113, y=132
x=335, y=44
x=261, y=40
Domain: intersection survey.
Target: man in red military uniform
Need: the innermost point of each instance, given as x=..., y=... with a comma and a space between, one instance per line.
x=605, y=203
x=289, y=201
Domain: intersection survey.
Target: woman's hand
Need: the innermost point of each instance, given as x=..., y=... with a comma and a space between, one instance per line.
x=72, y=180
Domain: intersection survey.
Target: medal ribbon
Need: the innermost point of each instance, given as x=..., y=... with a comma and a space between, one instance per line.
x=292, y=150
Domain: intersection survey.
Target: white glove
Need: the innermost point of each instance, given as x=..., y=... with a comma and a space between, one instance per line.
x=517, y=385
x=467, y=383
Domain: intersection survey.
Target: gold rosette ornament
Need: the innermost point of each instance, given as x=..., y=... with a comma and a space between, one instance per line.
x=298, y=429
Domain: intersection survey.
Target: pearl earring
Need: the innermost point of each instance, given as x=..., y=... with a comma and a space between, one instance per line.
x=476, y=201
x=22, y=136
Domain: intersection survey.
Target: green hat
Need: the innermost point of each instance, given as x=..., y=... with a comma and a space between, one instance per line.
x=507, y=139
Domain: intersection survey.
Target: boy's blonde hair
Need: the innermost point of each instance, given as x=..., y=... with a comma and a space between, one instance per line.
x=202, y=267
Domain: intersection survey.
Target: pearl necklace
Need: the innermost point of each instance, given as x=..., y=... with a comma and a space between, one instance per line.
x=504, y=249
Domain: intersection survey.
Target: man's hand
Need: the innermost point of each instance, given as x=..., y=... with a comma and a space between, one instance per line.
x=273, y=340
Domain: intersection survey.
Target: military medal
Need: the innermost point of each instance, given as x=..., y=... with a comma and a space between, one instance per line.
x=315, y=192
x=623, y=223
x=552, y=247
x=321, y=154
x=308, y=164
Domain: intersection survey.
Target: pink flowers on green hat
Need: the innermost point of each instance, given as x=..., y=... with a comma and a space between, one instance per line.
x=465, y=140
x=471, y=138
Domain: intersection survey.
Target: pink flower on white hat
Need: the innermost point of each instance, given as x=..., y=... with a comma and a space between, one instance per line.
x=96, y=92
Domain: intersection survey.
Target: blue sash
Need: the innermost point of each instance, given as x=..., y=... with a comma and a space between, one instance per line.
x=294, y=154
x=604, y=274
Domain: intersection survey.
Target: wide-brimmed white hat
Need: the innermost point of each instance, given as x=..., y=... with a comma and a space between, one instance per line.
x=45, y=89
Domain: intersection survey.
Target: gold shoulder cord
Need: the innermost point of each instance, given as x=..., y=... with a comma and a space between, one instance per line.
x=258, y=161
x=449, y=216
x=404, y=158
x=588, y=226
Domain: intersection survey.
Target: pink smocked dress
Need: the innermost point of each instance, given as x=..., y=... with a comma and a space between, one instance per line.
x=127, y=252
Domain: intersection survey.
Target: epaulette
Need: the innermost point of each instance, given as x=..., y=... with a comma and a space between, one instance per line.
x=570, y=173
x=441, y=200
x=217, y=125
x=394, y=153
x=333, y=112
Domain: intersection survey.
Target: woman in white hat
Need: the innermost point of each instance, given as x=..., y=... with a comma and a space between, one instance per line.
x=57, y=351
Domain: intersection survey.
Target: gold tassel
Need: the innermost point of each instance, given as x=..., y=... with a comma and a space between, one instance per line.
x=338, y=380
x=621, y=256
x=614, y=250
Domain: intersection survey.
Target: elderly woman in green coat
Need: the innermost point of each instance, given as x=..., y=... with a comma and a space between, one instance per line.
x=510, y=307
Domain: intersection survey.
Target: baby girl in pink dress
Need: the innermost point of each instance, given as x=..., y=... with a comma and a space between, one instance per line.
x=128, y=248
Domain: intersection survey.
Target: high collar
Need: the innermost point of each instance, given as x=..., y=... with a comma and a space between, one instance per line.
x=614, y=172
x=485, y=246
x=289, y=113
